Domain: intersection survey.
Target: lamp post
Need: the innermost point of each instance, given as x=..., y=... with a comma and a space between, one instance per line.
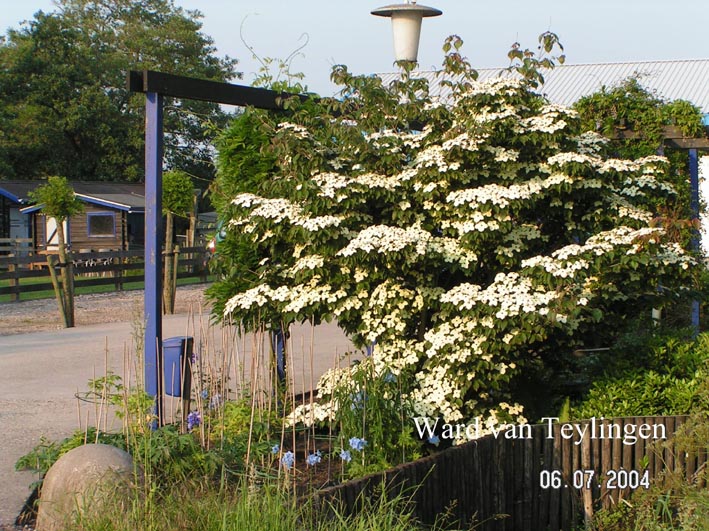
x=406, y=25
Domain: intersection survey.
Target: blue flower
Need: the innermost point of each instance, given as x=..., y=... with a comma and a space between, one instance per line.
x=288, y=460
x=194, y=419
x=389, y=377
x=434, y=440
x=215, y=402
x=346, y=456
x=275, y=449
x=314, y=459
x=358, y=400
x=357, y=444
x=205, y=393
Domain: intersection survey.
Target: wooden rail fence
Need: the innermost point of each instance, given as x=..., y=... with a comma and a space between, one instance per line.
x=15, y=245
x=27, y=273
x=549, y=478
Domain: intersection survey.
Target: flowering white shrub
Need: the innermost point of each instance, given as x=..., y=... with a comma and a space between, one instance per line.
x=464, y=241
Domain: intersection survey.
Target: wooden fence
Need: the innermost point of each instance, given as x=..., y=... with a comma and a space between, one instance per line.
x=15, y=245
x=30, y=273
x=546, y=477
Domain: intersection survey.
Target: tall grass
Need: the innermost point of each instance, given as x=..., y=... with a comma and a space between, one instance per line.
x=202, y=507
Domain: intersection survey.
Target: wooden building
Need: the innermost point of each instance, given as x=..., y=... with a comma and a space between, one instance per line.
x=14, y=195
x=113, y=218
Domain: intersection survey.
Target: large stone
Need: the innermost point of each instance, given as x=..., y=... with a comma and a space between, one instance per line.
x=83, y=482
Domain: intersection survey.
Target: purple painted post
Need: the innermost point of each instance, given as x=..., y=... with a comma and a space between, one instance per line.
x=153, y=249
x=694, y=202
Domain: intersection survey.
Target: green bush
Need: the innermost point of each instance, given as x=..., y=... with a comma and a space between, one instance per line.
x=665, y=380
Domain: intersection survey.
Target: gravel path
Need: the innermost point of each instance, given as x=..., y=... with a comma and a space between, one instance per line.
x=123, y=306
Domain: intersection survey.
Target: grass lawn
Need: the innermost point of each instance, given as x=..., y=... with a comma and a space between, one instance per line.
x=49, y=293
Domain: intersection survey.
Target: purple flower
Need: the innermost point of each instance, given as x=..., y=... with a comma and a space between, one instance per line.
x=194, y=419
x=357, y=444
x=346, y=456
x=314, y=459
x=288, y=460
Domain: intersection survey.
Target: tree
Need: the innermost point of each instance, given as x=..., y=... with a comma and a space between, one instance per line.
x=59, y=202
x=64, y=104
x=177, y=200
x=472, y=244
x=631, y=108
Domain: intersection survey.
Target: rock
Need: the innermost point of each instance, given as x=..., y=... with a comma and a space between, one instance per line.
x=82, y=481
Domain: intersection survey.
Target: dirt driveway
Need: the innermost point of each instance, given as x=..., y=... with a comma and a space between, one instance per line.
x=36, y=403
x=116, y=307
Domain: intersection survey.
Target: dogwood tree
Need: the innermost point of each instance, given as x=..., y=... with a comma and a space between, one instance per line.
x=466, y=237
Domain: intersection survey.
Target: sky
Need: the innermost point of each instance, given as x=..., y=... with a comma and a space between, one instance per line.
x=344, y=32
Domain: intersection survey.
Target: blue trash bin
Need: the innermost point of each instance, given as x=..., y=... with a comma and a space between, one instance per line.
x=177, y=367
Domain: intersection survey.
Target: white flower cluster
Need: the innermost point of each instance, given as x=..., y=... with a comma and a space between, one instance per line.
x=495, y=86
x=452, y=252
x=590, y=143
x=549, y=120
x=337, y=186
x=465, y=141
x=581, y=158
x=435, y=156
x=279, y=210
x=514, y=240
x=295, y=299
x=509, y=294
x=673, y=254
x=310, y=414
x=627, y=210
x=633, y=187
x=433, y=395
x=388, y=309
x=503, y=154
x=494, y=194
x=307, y=262
x=488, y=115
x=387, y=239
x=298, y=130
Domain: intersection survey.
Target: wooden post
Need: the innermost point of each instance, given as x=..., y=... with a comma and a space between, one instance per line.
x=173, y=286
x=51, y=263
x=118, y=272
x=14, y=282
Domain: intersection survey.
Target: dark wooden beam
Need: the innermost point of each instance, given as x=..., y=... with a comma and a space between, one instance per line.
x=201, y=89
x=672, y=136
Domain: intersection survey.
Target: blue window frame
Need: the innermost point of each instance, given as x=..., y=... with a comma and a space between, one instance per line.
x=101, y=224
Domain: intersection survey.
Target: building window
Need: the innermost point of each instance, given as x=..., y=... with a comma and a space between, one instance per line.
x=101, y=224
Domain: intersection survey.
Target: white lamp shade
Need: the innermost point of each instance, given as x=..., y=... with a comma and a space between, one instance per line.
x=406, y=26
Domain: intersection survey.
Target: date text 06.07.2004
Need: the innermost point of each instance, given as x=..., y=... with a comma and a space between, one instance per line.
x=588, y=479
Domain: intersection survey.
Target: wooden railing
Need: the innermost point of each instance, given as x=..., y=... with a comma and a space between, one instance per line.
x=15, y=245
x=29, y=273
x=538, y=480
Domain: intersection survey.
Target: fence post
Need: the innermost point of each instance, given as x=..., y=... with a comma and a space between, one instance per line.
x=14, y=282
x=118, y=272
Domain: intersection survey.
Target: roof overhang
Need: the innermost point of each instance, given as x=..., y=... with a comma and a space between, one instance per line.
x=116, y=205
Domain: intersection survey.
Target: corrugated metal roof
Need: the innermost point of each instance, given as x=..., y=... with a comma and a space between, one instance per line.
x=670, y=80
